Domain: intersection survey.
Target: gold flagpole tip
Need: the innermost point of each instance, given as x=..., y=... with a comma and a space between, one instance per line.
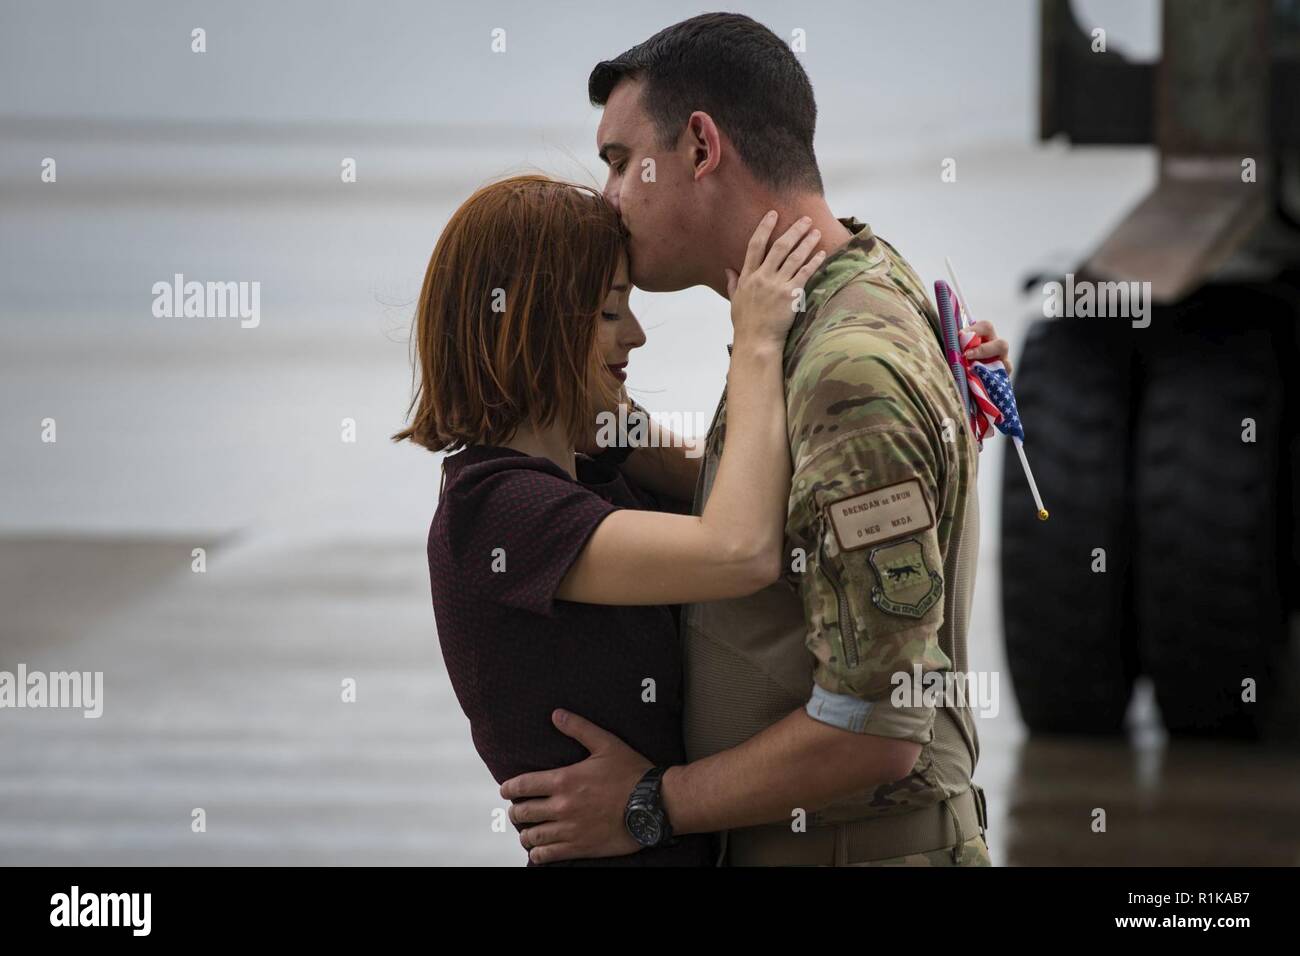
x=1042, y=514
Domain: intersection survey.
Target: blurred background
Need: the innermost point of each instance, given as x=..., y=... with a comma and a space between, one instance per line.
x=222, y=688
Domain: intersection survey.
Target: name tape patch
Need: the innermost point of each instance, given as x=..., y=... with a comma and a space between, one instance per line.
x=880, y=514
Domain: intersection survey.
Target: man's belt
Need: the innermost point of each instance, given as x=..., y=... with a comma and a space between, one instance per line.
x=948, y=823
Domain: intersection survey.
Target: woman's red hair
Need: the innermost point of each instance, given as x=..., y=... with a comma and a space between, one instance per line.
x=505, y=331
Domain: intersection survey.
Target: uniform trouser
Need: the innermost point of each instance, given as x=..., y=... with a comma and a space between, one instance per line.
x=948, y=833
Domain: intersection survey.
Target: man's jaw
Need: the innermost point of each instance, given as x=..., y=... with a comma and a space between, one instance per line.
x=679, y=281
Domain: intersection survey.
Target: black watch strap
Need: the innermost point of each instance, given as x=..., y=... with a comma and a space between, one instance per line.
x=650, y=783
x=647, y=796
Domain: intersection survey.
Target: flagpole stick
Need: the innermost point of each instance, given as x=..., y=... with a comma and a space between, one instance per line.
x=1033, y=486
x=961, y=296
x=1020, y=446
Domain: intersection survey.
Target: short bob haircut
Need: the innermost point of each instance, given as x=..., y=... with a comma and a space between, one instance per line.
x=505, y=330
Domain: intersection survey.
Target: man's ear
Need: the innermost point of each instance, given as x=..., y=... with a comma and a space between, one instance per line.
x=705, y=144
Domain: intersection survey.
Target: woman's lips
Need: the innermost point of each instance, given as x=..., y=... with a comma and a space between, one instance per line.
x=618, y=371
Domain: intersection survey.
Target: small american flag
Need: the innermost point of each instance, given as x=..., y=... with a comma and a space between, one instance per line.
x=984, y=386
x=990, y=392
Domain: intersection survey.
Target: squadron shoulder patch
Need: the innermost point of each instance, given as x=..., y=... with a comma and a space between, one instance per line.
x=880, y=514
x=908, y=587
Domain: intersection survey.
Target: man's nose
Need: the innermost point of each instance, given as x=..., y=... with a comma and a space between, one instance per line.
x=611, y=197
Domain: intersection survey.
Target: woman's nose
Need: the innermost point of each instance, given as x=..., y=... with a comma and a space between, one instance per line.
x=635, y=335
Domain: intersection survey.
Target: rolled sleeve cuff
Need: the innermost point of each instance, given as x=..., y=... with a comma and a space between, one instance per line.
x=880, y=718
x=839, y=710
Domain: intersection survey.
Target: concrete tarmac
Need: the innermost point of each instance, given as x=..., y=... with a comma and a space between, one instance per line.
x=223, y=691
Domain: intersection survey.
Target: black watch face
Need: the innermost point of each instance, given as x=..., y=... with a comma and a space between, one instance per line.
x=644, y=826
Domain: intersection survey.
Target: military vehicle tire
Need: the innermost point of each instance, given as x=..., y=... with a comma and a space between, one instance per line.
x=1069, y=630
x=1213, y=511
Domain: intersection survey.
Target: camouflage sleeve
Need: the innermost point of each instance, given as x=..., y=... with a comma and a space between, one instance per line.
x=863, y=506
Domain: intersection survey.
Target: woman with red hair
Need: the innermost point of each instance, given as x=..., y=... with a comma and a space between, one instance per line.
x=554, y=574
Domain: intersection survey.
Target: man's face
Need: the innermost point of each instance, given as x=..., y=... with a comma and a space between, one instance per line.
x=652, y=189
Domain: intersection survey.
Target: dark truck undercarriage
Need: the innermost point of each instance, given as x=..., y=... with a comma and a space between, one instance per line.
x=1170, y=449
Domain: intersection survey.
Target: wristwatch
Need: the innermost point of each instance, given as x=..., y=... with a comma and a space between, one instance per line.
x=645, y=817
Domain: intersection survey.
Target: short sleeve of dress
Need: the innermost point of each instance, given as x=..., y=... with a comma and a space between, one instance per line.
x=516, y=532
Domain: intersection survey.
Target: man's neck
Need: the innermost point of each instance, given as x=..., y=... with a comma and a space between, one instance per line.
x=789, y=209
x=550, y=443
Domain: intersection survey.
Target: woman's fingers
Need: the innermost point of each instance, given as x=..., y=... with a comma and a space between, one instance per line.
x=783, y=246
x=992, y=347
x=758, y=243
x=765, y=298
x=987, y=349
x=799, y=255
x=805, y=272
x=786, y=255
x=996, y=349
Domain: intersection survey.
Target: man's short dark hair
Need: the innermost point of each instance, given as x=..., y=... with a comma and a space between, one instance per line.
x=740, y=73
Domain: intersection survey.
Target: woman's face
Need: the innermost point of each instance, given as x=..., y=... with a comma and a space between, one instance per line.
x=618, y=332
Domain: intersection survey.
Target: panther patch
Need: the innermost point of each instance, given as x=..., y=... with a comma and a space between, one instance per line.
x=908, y=587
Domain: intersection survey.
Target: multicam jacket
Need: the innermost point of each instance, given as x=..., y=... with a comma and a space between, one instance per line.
x=882, y=538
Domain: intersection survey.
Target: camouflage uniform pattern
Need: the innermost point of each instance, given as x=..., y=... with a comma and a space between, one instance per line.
x=873, y=418
x=870, y=401
x=974, y=852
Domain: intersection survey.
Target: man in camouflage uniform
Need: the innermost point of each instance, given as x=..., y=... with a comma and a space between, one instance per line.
x=883, y=536
x=792, y=694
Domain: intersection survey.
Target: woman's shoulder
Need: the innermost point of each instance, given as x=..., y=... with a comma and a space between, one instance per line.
x=503, y=494
x=479, y=460
x=481, y=467
x=509, y=526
